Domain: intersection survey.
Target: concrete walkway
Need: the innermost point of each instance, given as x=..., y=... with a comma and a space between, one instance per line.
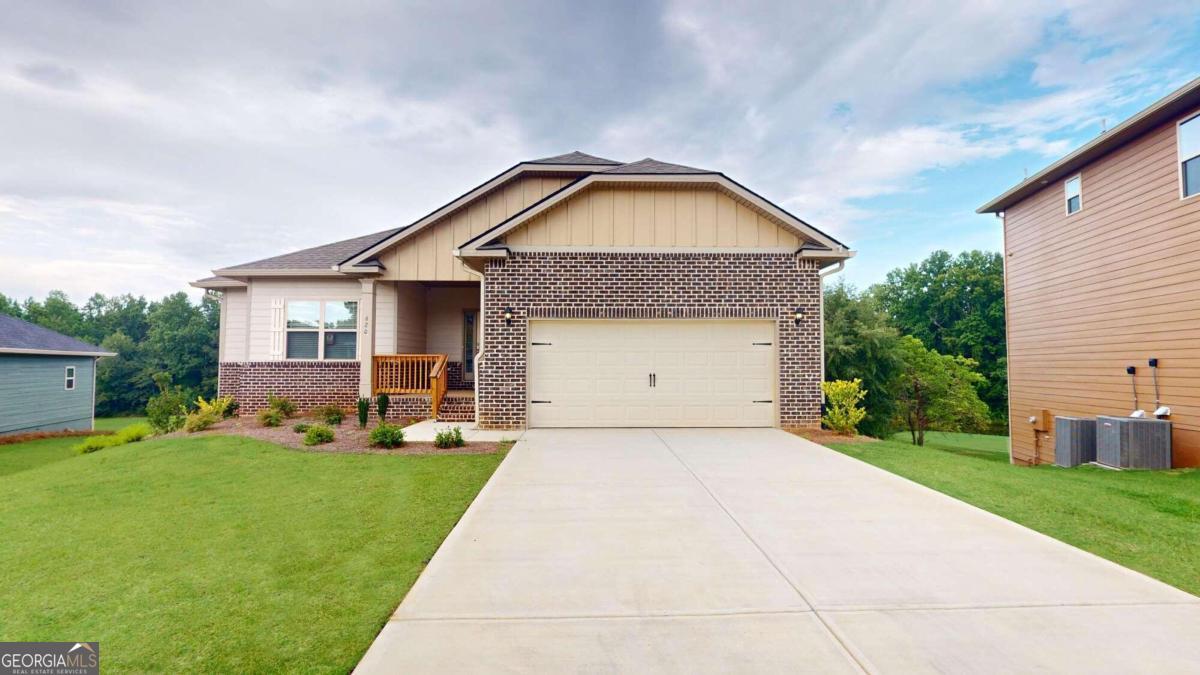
x=753, y=550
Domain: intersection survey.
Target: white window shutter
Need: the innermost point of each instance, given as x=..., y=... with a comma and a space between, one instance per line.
x=276, y=329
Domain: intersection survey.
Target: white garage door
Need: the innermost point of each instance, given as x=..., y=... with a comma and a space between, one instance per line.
x=651, y=373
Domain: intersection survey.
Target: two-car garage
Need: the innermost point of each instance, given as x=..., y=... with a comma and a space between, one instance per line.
x=651, y=373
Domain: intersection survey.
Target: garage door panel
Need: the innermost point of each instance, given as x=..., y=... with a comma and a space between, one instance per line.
x=596, y=373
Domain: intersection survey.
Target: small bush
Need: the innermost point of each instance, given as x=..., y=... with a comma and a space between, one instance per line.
x=449, y=438
x=207, y=413
x=302, y=427
x=387, y=435
x=130, y=434
x=329, y=414
x=283, y=404
x=318, y=434
x=381, y=406
x=270, y=417
x=167, y=411
x=232, y=409
x=842, y=412
x=364, y=411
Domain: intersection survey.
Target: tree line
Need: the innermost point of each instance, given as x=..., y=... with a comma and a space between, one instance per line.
x=928, y=344
x=172, y=339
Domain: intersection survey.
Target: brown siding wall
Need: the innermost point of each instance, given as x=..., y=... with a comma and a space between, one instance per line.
x=1112, y=285
x=649, y=286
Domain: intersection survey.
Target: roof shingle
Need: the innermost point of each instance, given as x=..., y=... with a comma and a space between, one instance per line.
x=318, y=257
x=652, y=166
x=575, y=157
x=16, y=334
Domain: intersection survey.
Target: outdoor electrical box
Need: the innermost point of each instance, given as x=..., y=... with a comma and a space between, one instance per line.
x=1041, y=420
x=1133, y=442
x=1074, y=441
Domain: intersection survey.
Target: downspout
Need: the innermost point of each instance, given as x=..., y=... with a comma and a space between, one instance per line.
x=479, y=344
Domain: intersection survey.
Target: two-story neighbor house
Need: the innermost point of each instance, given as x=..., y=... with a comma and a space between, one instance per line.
x=565, y=291
x=1102, y=277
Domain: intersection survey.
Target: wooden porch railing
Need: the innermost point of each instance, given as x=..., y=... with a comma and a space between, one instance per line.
x=423, y=374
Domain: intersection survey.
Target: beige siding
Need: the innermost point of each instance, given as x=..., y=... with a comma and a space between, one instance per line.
x=676, y=217
x=262, y=291
x=233, y=338
x=429, y=254
x=1110, y=286
x=445, y=318
x=385, y=318
x=410, y=318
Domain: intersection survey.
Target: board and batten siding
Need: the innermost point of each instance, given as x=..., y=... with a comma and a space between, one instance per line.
x=650, y=216
x=33, y=396
x=1113, y=285
x=429, y=254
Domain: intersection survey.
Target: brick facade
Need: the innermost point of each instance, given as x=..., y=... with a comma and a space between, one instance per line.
x=594, y=285
x=309, y=384
x=454, y=376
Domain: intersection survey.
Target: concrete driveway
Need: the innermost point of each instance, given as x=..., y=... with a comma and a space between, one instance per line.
x=705, y=550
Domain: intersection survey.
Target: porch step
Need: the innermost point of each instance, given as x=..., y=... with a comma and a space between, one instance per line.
x=457, y=408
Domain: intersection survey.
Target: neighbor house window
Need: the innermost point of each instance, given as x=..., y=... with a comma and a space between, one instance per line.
x=69, y=379
x=322, y=329
x=1189, y=156
x=1074, y=194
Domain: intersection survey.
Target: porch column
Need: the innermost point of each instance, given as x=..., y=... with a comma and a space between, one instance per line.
x=366, y=338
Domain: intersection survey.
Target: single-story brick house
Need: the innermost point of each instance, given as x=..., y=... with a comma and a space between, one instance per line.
x=47, y=379
x=565, y=291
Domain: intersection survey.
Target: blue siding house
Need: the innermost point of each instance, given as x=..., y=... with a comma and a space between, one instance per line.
x=47, y=379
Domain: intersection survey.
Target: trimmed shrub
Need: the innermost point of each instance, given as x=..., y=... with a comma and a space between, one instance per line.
x=387, y=435
x=329, y=414
x=130, y=434
x=842, y=412
x=270, y=417
x=449, y=438
x=167, y=411
x=232, y=409
x=301, y=427
x=364, y=412
x=283, y=404
x=318, y=434
x=381, y=406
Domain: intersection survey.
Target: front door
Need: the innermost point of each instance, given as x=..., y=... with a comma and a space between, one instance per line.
x=470, y=339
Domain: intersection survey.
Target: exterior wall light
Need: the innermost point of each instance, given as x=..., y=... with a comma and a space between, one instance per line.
x=508, y=316
x=798, y=316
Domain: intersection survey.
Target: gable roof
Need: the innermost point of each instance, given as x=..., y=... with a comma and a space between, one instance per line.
x=820, y=244
x=21, y=337
x=318, y=258
x=1181, y=101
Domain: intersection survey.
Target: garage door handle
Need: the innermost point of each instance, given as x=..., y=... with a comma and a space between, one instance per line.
x=761, y=344
x=653, y=379
x=541, y=344
x=540, y=401
x=766, y=401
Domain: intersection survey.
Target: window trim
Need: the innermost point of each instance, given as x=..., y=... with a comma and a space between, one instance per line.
x=321, y=330
x=1179, y=159
x=1067, y=198
x=70, y=378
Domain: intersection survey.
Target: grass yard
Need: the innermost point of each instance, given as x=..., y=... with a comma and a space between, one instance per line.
x=1146, y=520
x=24, y=456
x=218, y=553
x=116, y=423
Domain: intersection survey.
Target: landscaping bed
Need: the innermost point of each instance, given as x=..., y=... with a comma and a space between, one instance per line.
x=347, y=438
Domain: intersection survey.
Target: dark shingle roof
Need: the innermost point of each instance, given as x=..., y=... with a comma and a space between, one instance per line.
x=18, y=334
x=649, y=165
x=575, y=157
x=318, y=257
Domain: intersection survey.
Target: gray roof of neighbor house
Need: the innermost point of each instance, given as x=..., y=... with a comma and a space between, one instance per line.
x=17, y=336
x=323, y=257
x=1181, y=101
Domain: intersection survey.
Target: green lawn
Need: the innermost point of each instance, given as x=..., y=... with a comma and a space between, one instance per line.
x=1145, y=520
x=24, y=456
x=221, y=554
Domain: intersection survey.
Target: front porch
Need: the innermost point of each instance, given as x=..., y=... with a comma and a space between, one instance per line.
x=422, y=383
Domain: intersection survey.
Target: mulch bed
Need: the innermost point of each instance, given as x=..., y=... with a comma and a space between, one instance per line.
x=825, y=437
x=347, y=438
x=40, y=435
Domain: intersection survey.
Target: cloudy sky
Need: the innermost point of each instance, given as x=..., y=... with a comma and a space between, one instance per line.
x=143, y=144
